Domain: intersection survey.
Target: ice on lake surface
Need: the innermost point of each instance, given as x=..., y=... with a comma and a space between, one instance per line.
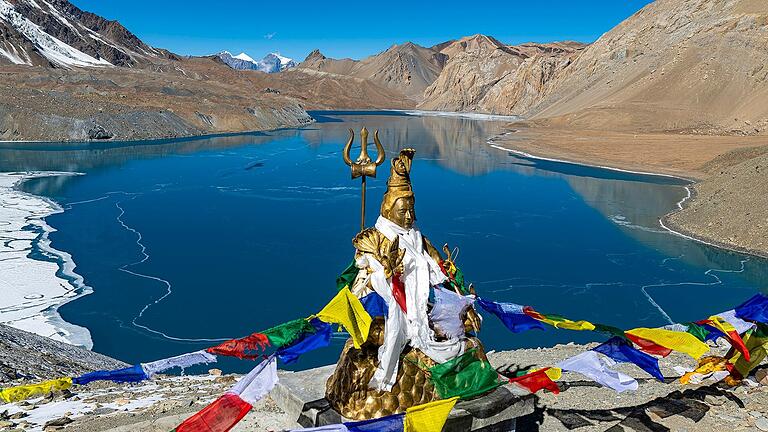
x=235, y=234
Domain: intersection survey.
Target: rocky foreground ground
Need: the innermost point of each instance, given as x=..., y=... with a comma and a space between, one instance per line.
x=165, y=401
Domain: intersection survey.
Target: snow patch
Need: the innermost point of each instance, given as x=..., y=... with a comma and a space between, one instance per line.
x=13, y=56
x=50, y=47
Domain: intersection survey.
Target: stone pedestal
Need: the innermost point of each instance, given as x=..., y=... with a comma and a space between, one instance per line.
x=302, y=396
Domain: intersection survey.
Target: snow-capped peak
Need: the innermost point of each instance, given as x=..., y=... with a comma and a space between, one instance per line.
x=283, y=60
x=245, y=57
x=271, y=63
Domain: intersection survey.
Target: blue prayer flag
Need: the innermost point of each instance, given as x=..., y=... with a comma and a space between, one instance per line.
x=621, y=350
x=754, y=309
x=511, y=315
x=392, y=423
x=130, y=374
x=307, y=342
x=375, y=305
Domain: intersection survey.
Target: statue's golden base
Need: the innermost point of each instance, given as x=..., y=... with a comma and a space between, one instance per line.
x=301, y=396
x=347, y=389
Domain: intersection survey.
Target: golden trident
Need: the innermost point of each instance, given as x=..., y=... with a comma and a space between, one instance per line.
x=364, y=166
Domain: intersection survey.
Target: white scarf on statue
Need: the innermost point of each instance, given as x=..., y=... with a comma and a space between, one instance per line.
x=420, y=273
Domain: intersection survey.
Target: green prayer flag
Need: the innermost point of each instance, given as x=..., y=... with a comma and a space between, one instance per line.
x=698, y=331
x=466, y=376
x=347, y=276
x=610, y=330
x=287, y=333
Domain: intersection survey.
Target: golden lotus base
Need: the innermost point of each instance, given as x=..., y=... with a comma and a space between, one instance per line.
x=347, y=389
x=301, y=396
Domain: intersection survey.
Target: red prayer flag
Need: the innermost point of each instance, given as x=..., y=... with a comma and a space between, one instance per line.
x=244, y=348
x=536, y=381
x=398, y=291
x=731, y=334
x=220, y=416
x=648, y=346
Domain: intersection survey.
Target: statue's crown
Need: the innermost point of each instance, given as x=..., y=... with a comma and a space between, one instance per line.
x=399, y=183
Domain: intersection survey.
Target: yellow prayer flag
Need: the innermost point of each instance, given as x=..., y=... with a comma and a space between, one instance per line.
x=553, y=373
x=722, y=325
x=756, y=346
x=19, y=393
x=346, y=309
x=674, y=340
x=429, y=417
x=560, y=322
x=574, y=325
x=706, y=365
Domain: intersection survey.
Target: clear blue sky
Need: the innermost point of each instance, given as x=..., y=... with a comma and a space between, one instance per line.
x=354, y=29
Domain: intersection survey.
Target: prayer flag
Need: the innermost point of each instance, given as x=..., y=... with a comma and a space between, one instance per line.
x=243, y=348
x=756, y=342
x=391, y=423
x=182, y=361
x=19, y=393
x=340, y=427
x=621, y=350
x=346, y=309
x=537, y=380
x=511, y=315
x=592, y=365
x=610, y=330
x=557, y=321
x=678, y=341
x=703, y=333
x=730, y=333
x=739, y=324
x=708, y=367
x=446, y=313
x=465, y=376
x=220, y=416
x=308, y=342
x=347, y=277
x=754, y=309
x=429, y=417
x=134, y=373
x=251, y=346
x=375, y=305
x=258, y=383
x=648, y=346
x=288, y=332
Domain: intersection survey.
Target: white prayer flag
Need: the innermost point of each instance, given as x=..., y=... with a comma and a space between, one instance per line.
x=258, y=383
x=597, y=367
x=182, y=361
x=739, y=324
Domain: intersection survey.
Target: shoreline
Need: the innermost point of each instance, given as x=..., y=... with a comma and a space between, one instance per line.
x=664, y=221
x=33, y=288
x=459, y=114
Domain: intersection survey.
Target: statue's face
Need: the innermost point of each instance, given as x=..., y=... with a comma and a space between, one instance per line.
x=403, y=212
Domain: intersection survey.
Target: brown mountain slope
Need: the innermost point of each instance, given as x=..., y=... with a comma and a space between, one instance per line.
x=482, y=74
x=407, y=69
x=698, y=66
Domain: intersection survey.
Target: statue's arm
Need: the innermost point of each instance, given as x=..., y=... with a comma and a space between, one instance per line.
x=432, y=250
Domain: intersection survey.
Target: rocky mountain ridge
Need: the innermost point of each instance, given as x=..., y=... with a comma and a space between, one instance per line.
x=57, y=33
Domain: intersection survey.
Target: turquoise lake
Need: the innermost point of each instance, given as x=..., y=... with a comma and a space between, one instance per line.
x=195, y=239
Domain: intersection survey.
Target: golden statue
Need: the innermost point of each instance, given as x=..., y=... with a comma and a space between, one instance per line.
x=389, y=373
